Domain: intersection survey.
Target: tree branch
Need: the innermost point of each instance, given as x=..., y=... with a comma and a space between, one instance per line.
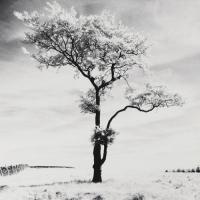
x=113, y=78
x=124, y=109
x=71, y=59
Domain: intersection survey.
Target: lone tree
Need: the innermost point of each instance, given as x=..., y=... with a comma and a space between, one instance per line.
x=102, y=51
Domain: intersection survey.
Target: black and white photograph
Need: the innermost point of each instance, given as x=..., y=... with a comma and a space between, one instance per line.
x=99, y=99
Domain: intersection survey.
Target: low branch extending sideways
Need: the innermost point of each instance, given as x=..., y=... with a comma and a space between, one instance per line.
x=150, y=98
x=124, y=109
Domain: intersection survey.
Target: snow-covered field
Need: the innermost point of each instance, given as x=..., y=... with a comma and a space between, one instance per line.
x=46, y=184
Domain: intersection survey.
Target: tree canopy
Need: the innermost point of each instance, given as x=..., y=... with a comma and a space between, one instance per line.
x=96, y=46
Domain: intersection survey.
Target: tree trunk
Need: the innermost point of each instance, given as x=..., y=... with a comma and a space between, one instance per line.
x=97, y=114
x=97, y=163
x=97, y=147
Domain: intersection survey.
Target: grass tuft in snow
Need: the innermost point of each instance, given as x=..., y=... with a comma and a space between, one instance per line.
x=137, y=196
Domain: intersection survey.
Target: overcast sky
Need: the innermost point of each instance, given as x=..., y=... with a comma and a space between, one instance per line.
x=39, y=114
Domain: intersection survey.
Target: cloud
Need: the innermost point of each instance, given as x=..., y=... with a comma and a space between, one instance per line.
x=6, y=9
x=172, y=26
x=9, y=50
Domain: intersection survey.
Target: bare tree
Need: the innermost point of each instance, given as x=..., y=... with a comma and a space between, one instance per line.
x=102, y=51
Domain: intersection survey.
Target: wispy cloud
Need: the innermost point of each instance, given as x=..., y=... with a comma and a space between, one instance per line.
x=172, y=26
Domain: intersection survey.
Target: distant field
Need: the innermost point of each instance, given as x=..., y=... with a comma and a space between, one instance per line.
x=62, y=184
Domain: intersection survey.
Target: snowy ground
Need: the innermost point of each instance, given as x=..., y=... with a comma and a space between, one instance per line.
x=46, y=184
